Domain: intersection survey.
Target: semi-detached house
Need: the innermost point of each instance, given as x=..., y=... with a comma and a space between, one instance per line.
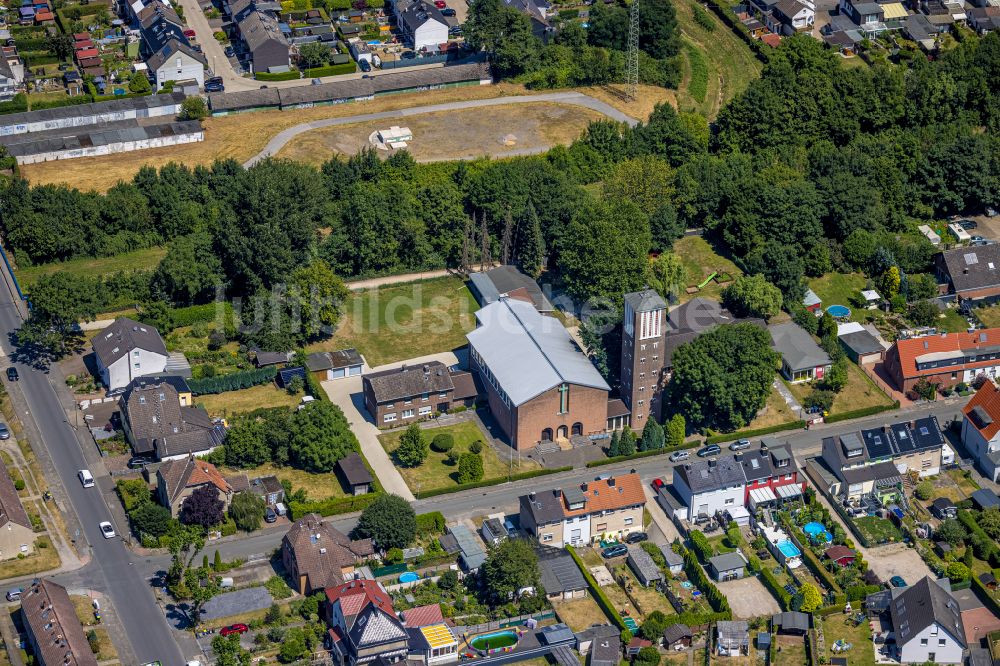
x=981, y=429
x=607, y=508
x=710, y=486
x=947, y=359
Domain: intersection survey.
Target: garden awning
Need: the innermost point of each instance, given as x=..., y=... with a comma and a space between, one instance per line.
x=789, y=491
x=763, y=495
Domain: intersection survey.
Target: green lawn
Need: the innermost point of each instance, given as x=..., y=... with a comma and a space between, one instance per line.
x=436, y=473
x=700, y=261
x=317, y=486
x=230, y=403
x=878, y=530
x=952, y=322
x=730, y=64
x=402, y=321
x=776, y=411
x=859, y=393
x=138, y=260
x=838, y=289
x=791, y=651
x=836, y=627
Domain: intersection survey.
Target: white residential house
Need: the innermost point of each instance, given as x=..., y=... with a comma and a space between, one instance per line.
x=422, y=24
x=981, y=429
x=927, y=624
x=176, y=61
x=710, y=486
x=128, y=349
x=794, y=16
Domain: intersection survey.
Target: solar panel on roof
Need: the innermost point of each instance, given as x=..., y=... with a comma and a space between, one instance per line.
x=971, y=259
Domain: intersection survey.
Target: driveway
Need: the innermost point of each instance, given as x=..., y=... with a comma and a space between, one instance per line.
x=748, y=598
x=214, y=54
x=348, y=394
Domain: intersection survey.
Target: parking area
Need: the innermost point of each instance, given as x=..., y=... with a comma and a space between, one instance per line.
x=748, y=598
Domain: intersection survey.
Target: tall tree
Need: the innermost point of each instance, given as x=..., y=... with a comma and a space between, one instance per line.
x=676, y=431
x=190, y=271
x=652, y=436
x=202, y=507
x=530, y=243
x=59, y=301
x=389, y=521
x=247, y=511
x=752, y=296
x=319, y=436
x=412, y=449
x=722, y=378
x=510, y=567
x=668, y=276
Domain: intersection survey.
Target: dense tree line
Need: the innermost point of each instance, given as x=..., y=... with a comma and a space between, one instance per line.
x=814, y=167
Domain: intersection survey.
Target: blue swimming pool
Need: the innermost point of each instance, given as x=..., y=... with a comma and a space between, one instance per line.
x=788, y=549
x=839, y=311
x=817, y=531
x=409, y=577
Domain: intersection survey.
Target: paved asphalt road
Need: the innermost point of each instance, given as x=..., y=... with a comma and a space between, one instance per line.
x=504, y=497
x=114, y=571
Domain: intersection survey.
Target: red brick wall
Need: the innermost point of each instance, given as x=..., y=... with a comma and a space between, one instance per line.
x=587, y=406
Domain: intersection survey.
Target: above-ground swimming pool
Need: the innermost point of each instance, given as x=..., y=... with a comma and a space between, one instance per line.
x=816, y=531
x=494, y=641
x=839, y=311
x=409, y=577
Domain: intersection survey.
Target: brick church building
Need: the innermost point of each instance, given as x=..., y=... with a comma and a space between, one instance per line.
x=540, y=386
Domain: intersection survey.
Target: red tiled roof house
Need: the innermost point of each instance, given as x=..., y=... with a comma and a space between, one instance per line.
x=947, y=359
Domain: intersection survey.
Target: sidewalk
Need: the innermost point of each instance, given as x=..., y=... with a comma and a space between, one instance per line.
x=790, y=400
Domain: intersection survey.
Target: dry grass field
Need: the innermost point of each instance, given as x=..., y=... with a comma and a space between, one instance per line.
x=449, y=135
x=241, y=136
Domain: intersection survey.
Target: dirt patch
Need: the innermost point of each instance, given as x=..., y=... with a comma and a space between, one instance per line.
x=461, y=134
x=748, y=598
x=897, y=560
x=578, y=614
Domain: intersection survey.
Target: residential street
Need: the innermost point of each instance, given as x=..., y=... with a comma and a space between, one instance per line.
x=113, y=571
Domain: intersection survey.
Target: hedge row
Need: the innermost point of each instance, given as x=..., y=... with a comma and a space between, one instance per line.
x=234, y=381
x=757, y=432
x=598, y=594
x=280, y=76
x=332, y=506
x=432, y=521
x=983, y=547
x=985, y=596
x=700, y=545
x=699, y=578
x=810, y=559
x=314, y=388
x=693, y=619
x=643, y=454
x=332, y=70
x=490, y=482
x=771, y=582
x=858, y=413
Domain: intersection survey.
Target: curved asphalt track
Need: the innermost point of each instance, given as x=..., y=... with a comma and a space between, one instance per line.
x=573, y=98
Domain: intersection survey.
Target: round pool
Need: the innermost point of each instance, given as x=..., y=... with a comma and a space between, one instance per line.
x=839, y=311
x=409, y=577
x=816, y=531
x=494, y=641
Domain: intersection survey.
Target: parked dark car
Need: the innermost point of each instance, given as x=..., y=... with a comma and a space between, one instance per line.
x=968, y=225
x=4, y=431
x=12, y=375
x=448, y=12
x=636, y=537
x=614, y=551
x=407, y=55
x=230, y=52
x=897, y=581
x=365, y=65
x=270, y=516
x=710, y=450
x=214, y=87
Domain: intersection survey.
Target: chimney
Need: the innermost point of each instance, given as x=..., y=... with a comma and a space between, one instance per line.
x=427, y=370
x=611, y=481
x=558, y=492
x=531, y=495
x=711, y=463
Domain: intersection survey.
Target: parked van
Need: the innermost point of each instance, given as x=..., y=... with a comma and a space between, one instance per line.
x=86, y=478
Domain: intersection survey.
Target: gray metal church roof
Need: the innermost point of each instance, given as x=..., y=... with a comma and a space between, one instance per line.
x=529, y=353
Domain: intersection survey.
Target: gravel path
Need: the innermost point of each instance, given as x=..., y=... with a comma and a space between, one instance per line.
x=574, y=98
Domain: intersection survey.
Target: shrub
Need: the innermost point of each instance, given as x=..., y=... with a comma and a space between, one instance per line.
x=431, y=522
x=393, y=556
x=19, y=484
x=443, y=442
x=700, y=545
x=452, y=458
x=470, y=468
x=233, y=382
x=923, y=490
x=476, y=447
x=702, y=18
x=95, y=644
